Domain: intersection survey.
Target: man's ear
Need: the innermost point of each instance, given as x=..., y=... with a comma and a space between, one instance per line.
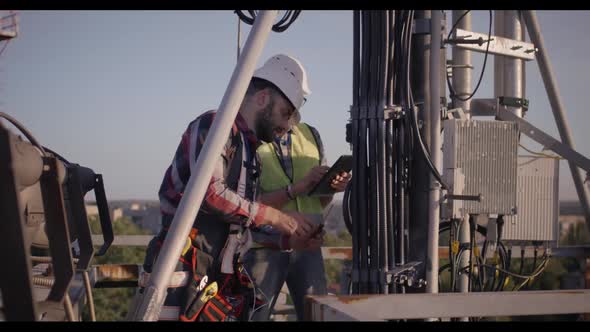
x=262, y=98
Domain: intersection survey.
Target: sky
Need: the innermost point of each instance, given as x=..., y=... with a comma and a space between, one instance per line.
x=114, y=90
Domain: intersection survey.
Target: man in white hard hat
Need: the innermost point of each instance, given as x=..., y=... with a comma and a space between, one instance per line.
x=204, y=287
x=292, y=164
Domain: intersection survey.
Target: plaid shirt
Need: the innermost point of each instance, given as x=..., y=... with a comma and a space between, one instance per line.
x=234, y=206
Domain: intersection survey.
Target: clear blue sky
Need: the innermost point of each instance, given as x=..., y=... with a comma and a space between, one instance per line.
x=114, y=90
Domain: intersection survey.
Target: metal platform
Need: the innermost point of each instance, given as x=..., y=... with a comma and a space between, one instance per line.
x=8, y=26
x=446, y=305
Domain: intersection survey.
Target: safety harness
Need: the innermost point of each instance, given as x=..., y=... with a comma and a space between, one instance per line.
x=219, y=289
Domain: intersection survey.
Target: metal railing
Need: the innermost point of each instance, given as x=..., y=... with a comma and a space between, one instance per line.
x=383, y=307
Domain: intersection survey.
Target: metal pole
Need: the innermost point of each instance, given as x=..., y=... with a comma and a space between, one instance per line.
x=362, y=160
x=89, y=296
x=381, y=150
x=498, y=60
x=532, y=25
x=155, y=293
x=462, y=85
x=435, y=152
x=462, y=65
x=524, y=63
x=420, y=172
x=512, y=79
x=355, y=112
x=239, y=37
x=69, y=309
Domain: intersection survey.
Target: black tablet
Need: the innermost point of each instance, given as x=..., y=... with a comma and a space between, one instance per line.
x=343, y=164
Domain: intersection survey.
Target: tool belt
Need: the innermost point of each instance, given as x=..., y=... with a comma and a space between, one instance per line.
x=209, y=294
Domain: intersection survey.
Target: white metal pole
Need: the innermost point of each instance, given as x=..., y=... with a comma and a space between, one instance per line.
x=155, y=293
x=499, y=60
x=512, y=79
x=435, y=152
x=239, y=38
x=462, y=86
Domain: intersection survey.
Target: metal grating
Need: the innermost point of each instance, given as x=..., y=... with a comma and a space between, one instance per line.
x=537, y=199
x=480, y=157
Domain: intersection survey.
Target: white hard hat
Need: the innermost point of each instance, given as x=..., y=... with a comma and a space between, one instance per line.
x=288, y=74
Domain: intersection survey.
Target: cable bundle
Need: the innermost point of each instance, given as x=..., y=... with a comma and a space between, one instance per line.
x=376, y=202
x=248, y=17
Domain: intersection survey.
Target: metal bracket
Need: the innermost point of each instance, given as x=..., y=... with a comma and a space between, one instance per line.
x=514, y=102
x=484, y=107
x=497, y=45
x=80, y=226
x=454, y=113
x=489, y=106
x=464, y=41
x=395, y=112
x=405, y=275
x=545, y=139
x=103, y=214
x=57, y=230
x=477, y=197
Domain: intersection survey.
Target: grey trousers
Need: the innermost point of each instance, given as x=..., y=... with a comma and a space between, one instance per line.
x=303, y=271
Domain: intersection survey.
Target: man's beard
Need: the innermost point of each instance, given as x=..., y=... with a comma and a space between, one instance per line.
x=265, y=130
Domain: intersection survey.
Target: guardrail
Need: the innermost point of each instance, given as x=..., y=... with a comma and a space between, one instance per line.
x=388, y=307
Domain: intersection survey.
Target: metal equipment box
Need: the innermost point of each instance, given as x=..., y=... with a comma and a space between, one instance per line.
x=537, y=199
x=480, y=158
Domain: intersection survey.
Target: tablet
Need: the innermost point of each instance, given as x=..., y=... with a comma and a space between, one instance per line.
x=343, y=164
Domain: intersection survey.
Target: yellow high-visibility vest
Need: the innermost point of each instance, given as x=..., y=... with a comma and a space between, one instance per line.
x=304, y=155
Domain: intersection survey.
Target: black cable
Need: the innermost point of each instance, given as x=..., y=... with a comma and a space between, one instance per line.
x=480, y=272
x=471, y=244
x=355, y=115
x=285, y=22
x=483, y=285
x=505, y=263
x=245, y=18
x=346, y=208
x=529, y=284
x=457, y=23
x=521, y=261
x=483, y=68
x=25, y=132
x=521, y=268
x=535, y=273
x=425, y=153
x=484, y=248
x=413, y=118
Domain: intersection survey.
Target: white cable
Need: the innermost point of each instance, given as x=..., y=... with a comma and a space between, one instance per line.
x=254, y=309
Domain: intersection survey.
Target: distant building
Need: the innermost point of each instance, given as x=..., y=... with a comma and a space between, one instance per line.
x=570, y=213
x=147, y=217
x=116, y=214
x=92, y=210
